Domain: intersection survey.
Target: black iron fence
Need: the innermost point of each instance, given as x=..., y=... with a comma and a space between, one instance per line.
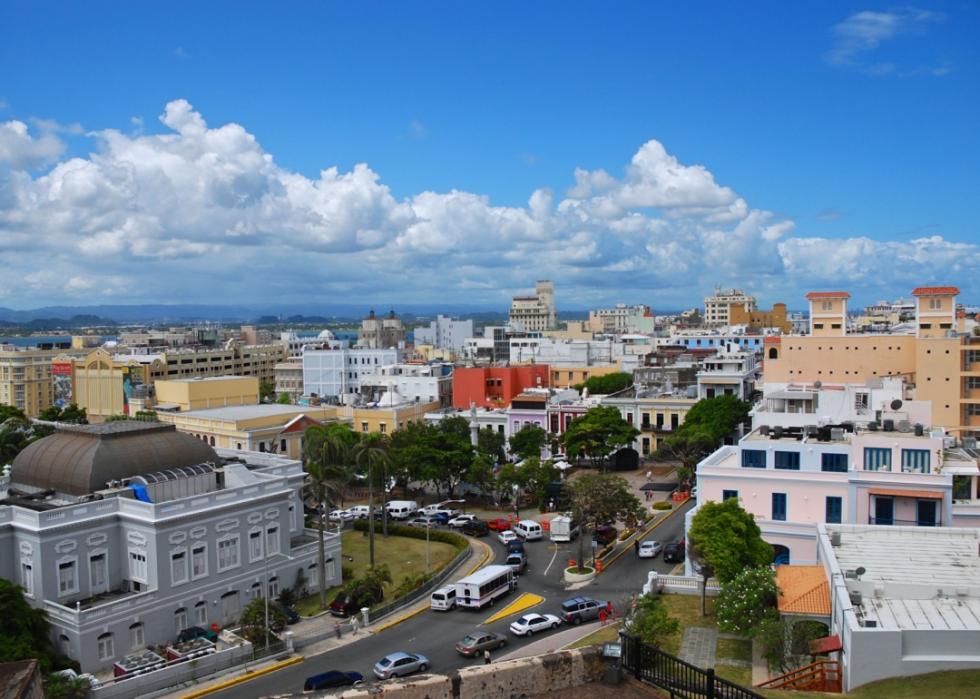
x=671, y=674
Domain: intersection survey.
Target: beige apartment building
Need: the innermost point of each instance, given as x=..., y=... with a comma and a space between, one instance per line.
x=385, y=418
x=201, y=393
x=25, y=378
x=289, y=379
x=568, y=376
x=716, y=306
x=272, y=428
x=943, y=367
x=535, y=312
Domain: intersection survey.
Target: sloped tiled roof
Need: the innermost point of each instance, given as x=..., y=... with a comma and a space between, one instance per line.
x=803, y=590
x=935, y=291
x=828, y=295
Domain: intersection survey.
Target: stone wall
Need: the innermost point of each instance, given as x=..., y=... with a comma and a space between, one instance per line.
x=510, y=679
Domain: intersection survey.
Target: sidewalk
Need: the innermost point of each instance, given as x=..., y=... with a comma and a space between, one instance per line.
x=552, y=642
x=314, y=636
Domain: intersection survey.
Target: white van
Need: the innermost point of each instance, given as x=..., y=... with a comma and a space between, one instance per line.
x=359, y=511
x=529, y=530
x=443, y=599
x=402, y=509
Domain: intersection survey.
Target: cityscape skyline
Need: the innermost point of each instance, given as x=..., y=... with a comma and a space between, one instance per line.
x=339, y=191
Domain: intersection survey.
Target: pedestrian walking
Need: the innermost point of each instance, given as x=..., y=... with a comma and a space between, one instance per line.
x=636, y=547
x=486, y=657
x=354, y=624
x=649, y=475
x=336, y=628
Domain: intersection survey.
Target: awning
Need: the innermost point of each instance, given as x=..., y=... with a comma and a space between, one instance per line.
x=828, y=644
x=791, y=395
x=899, y=493
x=961, y=469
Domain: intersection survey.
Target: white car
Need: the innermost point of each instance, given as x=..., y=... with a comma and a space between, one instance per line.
x=649, y=549
x=505, y=537
x=341, y=516
x=529, y=623
x=460, y=520
x=358, y=511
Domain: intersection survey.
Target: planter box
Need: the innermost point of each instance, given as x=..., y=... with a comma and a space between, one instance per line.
x=571, y=577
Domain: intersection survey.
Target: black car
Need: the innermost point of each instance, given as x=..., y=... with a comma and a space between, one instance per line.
x=674, y=553
x=476, y=527
x=605, y=534
x=192, y=632
x=347, y=603
x=331, y=678
x=292, y=616
x=515, y=546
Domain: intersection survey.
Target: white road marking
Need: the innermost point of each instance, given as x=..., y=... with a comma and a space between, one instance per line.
x=553, y=557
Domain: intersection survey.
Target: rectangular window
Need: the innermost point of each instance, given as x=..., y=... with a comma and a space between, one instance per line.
x=273, y=536
x=106, y=651
x=180, y=619
x=201, y=613
x=282, y=446
x=753, y=458
x=383, y=427
x=788, y=460
x=27, y=577
x=834, y=510
x=178, y=566
x=199, y=561
x=877, y=459
x=137, y=565
x=835, y=463
x=818, y=326
x=364, y=427
x=254, y=545
x=273, y=588
x=228, y=554
x=915, y=460
x=67, y=579
x=136, y=636
x=779, y=507
x=925, y=326
x=827, y=306
x=729, y=494
x=935, y=304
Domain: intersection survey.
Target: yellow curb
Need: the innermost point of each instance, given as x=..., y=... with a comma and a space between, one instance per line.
x=248, y=677
x=395, y=622
x=525, y=601
x=605, y=566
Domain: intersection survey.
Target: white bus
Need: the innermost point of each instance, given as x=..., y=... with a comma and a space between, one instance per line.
x=484, y=586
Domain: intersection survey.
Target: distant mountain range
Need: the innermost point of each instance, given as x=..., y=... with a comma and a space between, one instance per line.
x=76, y=316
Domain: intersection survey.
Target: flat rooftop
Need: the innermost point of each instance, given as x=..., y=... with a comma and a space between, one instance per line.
x=248, y=412
x=201, y=379
x=914, y=577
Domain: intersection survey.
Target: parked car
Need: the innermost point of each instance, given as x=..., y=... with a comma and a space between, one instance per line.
x=517, y=562
x=348, y=603
x=674, y=553
x=500, y=524
x=515, y=546
x=532, y=623
x=579, y=609
x=423, y=521
x=529, y=530
x=331, y=679
x=506, y=536
x=475, y=527
x=358, y=511
x=459, y=520
x=443, y=599
x=605, y=534
x=441, y=517
x=479, y=641
x=649, y=549
x=192, y=632
x=341, y=516
x=400, y=664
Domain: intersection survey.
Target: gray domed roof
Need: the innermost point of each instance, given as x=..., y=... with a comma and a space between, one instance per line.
x=80, y=459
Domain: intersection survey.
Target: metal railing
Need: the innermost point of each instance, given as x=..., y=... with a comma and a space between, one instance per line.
x=891, y=521
x=679, y=678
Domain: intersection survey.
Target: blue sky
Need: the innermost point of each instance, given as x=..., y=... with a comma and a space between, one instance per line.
x=847, y=130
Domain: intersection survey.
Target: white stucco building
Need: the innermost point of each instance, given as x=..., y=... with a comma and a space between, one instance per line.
x=338, y=373
x=445, y=333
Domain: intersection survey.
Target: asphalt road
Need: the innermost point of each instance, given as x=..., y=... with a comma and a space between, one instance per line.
x=434, y=634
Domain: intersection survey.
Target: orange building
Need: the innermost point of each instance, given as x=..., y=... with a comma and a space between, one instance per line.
x=495, y=387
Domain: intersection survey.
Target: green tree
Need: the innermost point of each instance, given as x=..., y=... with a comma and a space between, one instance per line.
x=267, y=391
x=528, y=441
x=440, y=455
x=12, y=441
x=606, y=384
x=507, y=477
x=24, y=630
x=651, y=620
x=705, y=427
x=746, y=600
x=252, y=622
x=326, y=457
x=480, y=473
x=12, y=411
x=597, y=434
x=598, y=498
x=70, y=413
x=491, y=443
x=284, y=399
x=370, y=455
x=60, y=687
x=771, y=634
x=537, y=475
x=688, y=447
x=726, y=538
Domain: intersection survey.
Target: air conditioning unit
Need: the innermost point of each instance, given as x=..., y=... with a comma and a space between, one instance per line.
x=835, y=538
x=764, y=430
x=837, y=434
x=869, y=624
x=856, y=598
x=888, y=425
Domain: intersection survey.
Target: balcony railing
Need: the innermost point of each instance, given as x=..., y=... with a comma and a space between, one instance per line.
x=891, y=521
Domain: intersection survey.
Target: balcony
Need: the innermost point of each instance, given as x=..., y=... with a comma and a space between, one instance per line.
x=891, y=521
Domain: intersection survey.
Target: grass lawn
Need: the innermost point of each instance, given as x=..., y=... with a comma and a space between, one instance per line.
x=687, y=610
x=403, y=556
x=607, y=634
x=734, y=649
x=743, y=676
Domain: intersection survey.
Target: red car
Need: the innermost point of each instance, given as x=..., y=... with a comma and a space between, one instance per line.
x=498, y=525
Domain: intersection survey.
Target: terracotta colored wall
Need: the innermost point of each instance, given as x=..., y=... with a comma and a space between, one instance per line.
x=470, y=384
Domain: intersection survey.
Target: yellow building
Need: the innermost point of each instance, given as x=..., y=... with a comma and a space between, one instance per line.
x=574, y=330
x=266, y=428
x=385, y=419
x=431, y=353
x=656, y=417
x=25, y=378
x=738, y=314
x=568, y=376
x=944, y=370
x=201, y=393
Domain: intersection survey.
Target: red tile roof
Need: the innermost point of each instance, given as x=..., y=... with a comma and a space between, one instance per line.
x=828, y=295
x=803, y=590
x=935, y=291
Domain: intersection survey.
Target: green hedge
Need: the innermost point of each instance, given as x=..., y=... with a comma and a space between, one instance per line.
x=663, y=505
x=445, y=537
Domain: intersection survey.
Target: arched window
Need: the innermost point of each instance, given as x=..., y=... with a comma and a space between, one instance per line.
x=773, y=353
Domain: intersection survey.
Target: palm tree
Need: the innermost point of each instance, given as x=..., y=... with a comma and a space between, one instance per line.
x=370, y=454
x=12, y=442
x=327, y=460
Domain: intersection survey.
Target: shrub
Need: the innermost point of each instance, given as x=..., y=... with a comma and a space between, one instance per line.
x=651, y=621
x=411, y=582
x=626, y=534
x=450, y=538
x=747, y=600
x=346, y=572
x=663, y=505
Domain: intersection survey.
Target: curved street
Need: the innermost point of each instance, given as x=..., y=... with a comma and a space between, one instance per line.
x=434, y=634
